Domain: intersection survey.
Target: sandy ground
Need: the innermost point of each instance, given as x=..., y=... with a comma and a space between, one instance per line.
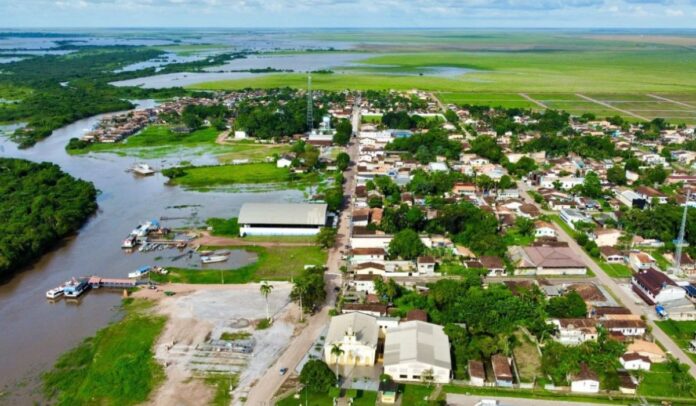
x=201, y=312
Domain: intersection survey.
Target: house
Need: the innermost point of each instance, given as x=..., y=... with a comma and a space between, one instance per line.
x=575, y=331
x=655, y=287
x=651, y=195
x=606, y=237
x=369, y=268
x=425, y=265
x=585, y=381
x=416, y=348
x=464, y=189
x=631, y=199
x=572, y=216
x=284, y=162
x=612, y=255
x=501, y=370
x=477, y=373
x=545, y=260
x=641, y=261
x=647, y=349
x=627, y=383
x=365, y=283
x=544, y=229
x=626, y=327
x=633, y=361
x=356, y=334
x=494, y=265
x=368, y=254
x=360, y=217
x=240, y=135
x=281, y=218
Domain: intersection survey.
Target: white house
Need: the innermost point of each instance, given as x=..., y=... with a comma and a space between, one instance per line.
x=575, y=331
x=416, y=349
x=356, y=334
x=655, y=287
x=365, y=283
x=368, y=254
x=586, y=381
x=572, y=216
x=477, y=373
x=283, y=162
x=641, y=261
x=544, y=229
x=565, y=183
x=240, y=135
x=426, y=265
x=633, y=361
x=625, y=326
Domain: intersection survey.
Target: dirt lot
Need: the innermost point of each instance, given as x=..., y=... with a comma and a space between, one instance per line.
x=198, y=313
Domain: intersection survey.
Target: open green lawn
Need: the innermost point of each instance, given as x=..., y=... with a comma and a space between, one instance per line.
x=506, y=100
x=202, y=177
x=274, y=263
x=527, y=357
x=681, y=332
x=115, y=367
x=416, y=395
x=659, y=382
x=615, y=270
x=364, y=398
x=592, y=71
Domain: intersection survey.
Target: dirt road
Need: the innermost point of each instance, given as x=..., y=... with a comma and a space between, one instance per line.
x=266, y=387
x=628, y=301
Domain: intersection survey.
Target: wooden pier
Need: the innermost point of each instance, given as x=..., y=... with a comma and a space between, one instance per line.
x=114, y=283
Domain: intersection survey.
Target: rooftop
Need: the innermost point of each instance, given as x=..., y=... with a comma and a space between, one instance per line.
x=283, y=214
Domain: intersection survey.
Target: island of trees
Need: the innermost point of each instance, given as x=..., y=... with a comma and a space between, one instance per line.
x=40, y=205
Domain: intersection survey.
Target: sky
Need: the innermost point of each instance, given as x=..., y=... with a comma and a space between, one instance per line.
x=349, y=13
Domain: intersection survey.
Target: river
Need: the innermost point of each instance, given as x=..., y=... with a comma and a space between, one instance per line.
x=36, y=331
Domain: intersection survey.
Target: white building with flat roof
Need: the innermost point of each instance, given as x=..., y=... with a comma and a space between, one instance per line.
x=281, y=218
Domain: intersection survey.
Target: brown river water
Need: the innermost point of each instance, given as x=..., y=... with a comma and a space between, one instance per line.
x=35, y=331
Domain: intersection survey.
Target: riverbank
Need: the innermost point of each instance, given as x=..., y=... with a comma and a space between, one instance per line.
x=116, y=366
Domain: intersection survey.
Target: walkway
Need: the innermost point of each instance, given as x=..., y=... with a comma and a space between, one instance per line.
x=654, y=96
x=607, y=105
x=535, y=101
x=471, y=400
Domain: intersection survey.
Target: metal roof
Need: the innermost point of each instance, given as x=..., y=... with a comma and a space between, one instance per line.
x=417, y=341
x=283, y=214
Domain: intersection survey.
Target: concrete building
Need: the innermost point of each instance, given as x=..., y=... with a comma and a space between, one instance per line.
x=477, y=373
x=502, y=370
x=544, y=229
x=575, y=331
x=425, y=265
x=633, y=361
x=572, y=216
x=281, y=219
x=586, y=381
x=546, y=260
x=416, y=348
x=655, y=287
x=356, y=334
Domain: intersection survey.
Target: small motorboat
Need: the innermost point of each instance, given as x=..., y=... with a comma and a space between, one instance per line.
x=139, y=273
x=211, y=259
x=55, y=293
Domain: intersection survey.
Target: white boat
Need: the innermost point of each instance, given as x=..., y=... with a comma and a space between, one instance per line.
x=74, y=287
x=211, y=259
x=55, y=293
x=129, y=242
x=139, y=273
x=143, y=169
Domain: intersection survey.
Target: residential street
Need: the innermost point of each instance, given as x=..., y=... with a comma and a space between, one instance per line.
x=472, y=400
x=617, y=291
x=262, y=393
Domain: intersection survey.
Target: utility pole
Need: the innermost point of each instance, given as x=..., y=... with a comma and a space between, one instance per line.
x=680, y=239
x=310, y=105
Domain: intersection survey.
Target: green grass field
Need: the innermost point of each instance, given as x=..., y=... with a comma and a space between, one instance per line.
x=659, y=382
x=681, y=332
x=527, y=358
x=115, y=367
x=364, y=398
x=615, y=270
x=274, y=263
x=245, y=174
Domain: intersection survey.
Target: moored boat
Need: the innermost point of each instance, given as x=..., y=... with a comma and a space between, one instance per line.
x=143, y=169
x=211, y=259
x=75, y=287
x=139, y=272
x=55, y=293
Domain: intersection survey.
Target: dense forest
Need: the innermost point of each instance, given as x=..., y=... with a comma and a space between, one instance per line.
x=40, y=205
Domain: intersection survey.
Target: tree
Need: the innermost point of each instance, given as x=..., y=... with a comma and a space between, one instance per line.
x=326, y=237
x=317, y=377
x=592, y=186
x=524, y=226
x=487, y=147
x=569, y=306
x=655, y=175
x=616, y=175
x=342, y=161
x=308, y=288
x=334, y=198
x=506, y=182
x=344, y=129
x=265, y=290
x=337, y=351
x=451, y=116
x=406, y=244
x=427, y=376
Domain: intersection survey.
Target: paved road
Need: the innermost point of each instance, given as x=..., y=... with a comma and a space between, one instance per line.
x=623, y=297
x=470, y=400
x=262, y=393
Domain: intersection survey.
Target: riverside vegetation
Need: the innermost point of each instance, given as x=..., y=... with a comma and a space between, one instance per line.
x=40, y=205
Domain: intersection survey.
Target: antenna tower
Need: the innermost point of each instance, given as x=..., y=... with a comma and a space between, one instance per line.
x=680, y=239
x=310, y=104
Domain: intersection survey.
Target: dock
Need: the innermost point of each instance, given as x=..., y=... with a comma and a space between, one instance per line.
x=96, y=282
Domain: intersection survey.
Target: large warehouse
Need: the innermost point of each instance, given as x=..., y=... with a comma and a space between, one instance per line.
x=281, y=218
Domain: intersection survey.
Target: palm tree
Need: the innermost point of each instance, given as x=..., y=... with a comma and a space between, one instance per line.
x=337, y=351
x=265, y=290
